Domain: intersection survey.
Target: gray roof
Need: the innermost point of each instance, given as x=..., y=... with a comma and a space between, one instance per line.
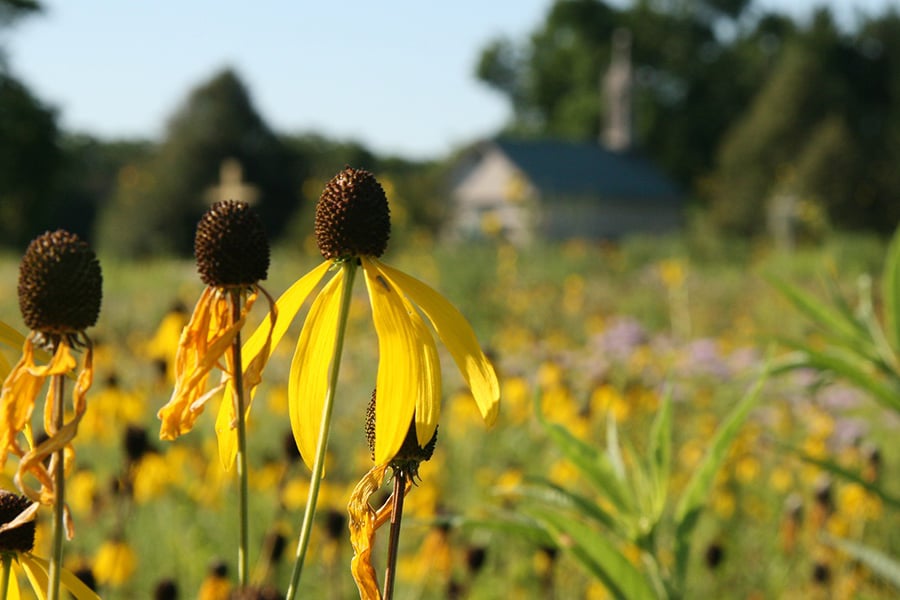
x=572, y=168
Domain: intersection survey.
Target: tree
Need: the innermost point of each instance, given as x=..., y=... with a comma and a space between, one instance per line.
x=823, y=127
x=689, y=84
x=160, y=206
x=29, y=162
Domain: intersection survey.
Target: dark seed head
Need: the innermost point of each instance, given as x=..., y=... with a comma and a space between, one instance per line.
x=21, y=538
x=136, y=443
x=411, y=454
x=231, y=246
x=475, y=558
x=714, y=555
x=166, y=589
x=821, y=573
x=60, y=284
x=86, y=575
x=335, y=523
x=352, y=216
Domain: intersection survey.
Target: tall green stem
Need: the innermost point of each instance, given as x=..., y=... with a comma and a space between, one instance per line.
x=59, y=482
x=6, y=562
x=243, y=490
x=315, y=480
x=394, y=538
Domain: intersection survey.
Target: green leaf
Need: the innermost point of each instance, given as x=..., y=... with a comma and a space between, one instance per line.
x=699, y=486
x=660, y=449
x=840, y=471
x=591, y=463
x=890, y=284
x=551, y=494
x=507, y=524
x=598, y=556
x=881, y=564
x=855, y=370
x=832, y=322
x=613, y=450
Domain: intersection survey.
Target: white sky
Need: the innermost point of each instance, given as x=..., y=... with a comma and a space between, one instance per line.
x=396, y=75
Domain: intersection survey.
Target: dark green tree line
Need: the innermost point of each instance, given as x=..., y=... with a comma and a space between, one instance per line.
x=737, y=105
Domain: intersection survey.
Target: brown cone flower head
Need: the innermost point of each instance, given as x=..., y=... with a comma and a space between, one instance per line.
x=411, y=454
x=60, y=284
x=17, y=539
x=231, y=245
x=352, y=216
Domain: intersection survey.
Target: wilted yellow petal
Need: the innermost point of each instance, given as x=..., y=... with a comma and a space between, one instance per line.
x=406, y=366
x=253, y=366
x=288, y=305
x=457, y=335
x=364, y=521
x=21, y=388
x=308, y=379
x=226, y=434
x=203, y=342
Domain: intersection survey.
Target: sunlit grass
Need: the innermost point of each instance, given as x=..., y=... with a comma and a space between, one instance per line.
x=586, y=327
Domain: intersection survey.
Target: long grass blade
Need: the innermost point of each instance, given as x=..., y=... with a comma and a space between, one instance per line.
x=890, y=285
x=598, y=556
x=833, y=323
x=699, y=486
x=881, y=564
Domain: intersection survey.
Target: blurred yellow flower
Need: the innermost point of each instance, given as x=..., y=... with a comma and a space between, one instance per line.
x=114, y=563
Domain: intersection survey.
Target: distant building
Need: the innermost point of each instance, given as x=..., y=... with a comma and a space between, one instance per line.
x=553, y=189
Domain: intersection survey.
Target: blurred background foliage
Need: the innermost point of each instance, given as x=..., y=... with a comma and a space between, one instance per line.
x=738, y=104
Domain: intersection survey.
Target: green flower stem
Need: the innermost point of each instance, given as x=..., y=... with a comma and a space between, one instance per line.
x=394, y=538
x=59, y=481
x=315, y=480
x=243, y=490
x=6, y=562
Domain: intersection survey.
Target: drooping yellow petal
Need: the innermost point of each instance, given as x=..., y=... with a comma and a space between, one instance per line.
x=38, y=569
x=20, y=391
x=457, y=335
x=253, y=365
x=287, y=305
x=407, y=367
x=205, y=338
x=308, y=379
x=34, y=461
x=13, y=592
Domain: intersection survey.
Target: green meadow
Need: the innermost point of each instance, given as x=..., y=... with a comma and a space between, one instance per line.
x=654, y=437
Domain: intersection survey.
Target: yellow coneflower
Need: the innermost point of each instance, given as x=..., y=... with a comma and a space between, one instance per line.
x=232, y=254
x=60, y=290
x=216, y=585
x=365, y=521
x=115, y=563
x=17, y=528
x=352, y=229
x=232, y=257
